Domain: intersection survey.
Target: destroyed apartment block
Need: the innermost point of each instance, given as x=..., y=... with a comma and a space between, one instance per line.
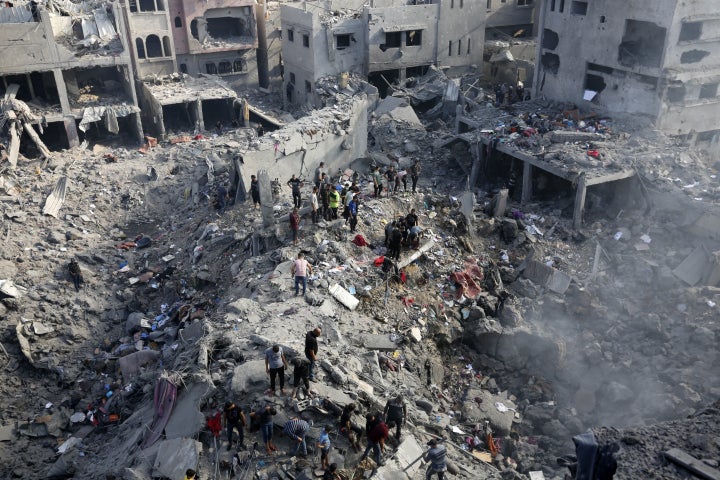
x=71, y=68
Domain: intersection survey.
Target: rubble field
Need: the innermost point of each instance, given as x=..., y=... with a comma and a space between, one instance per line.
x=508, y=320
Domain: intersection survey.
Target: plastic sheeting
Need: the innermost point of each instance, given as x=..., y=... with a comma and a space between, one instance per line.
x=164, y=402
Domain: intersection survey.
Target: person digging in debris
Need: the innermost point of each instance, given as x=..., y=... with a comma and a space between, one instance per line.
x=275, y=364
x=75, y=273
x=234, y=419
x=295, y=225
x=377, y=433
x=255, y=191
x=396, y=412
x=353, y=431
x=311, y=349
x=301, y=374
x=438, y=463
x=323, y=444
x=264, y=417
x=300, y=270
x=296, y=428
x=295, y=183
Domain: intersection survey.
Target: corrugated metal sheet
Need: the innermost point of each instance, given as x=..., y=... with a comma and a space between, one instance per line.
x=56, y=198
x=15, y=14
x=105, y=27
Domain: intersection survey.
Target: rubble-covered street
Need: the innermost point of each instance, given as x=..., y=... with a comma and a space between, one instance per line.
x=504, y=319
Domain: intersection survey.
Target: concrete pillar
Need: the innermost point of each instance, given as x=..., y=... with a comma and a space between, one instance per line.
x=266, y=199
x=261, y=53
x=526, y=183
x=197, y=106
x=458, y=114
x=71, y=131
x=62, y=91
x=478, y=153
x=240, y=196
x=139, y=134
x=580, y=193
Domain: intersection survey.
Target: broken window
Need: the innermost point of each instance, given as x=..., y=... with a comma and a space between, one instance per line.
x=306, y=40
x=224, y=67
x=693, y=56
x=525, y=3
x=676, y=94
x=211, y=68
x=147, y=5
x=226, y=27
x=578, y=8
x=552, y=5
x=153, y=46
x=450, y=48
x=140, y=47
x=183, y=68
x=308, y=87
x=194, y=29
x=642, y=44
x=602, y=18
x=240, y=65
x=489, y=4
x=596, y=83
x=342, y=41
x=167, y=48
x=292, y=78
x=393, y=39
x=133, y=6
x=178, y=22
x=550, y=62
x=468, y=47
x=708, y=90
x=291, y=35
x=562, y=6
x=690, y=31
x=550, y=39
x=413, y=38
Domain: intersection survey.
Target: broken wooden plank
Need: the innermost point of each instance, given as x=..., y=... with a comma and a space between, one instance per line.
x=696, y=466
x=56, y=198
x=343, y=296
x=14, y=149
x=36, y=138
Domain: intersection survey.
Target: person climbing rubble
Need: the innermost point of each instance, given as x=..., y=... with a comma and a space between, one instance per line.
x=263, y=418
x=391, y=176
x=377, y=432
x=377, y=182
x=295, y=226
x=301, y=375
x=311, y=350
x=348, y=427
x=299, y=271
x=275, y=364
x=234, y=419
x=396, y=412
x=437, y=457
x=296, y=184
x=75, y=273
x=297, y=428
x=324, y=445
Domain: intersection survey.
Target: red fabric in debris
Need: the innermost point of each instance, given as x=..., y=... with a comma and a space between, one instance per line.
x=215, y=424
x=468, y=281
x=594, y=153
x=359, y=240
x=379, y=261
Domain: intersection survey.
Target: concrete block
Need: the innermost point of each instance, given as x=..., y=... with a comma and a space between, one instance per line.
x=176, y=456
x=541, y=274
x=187, y=419
x=344, y=297
x=415, y=334
x=249, y=376
x=407, y=452
x=135, y=322
x=6, y=433
x=475, y=412
x=336, y=396
x=379, y=342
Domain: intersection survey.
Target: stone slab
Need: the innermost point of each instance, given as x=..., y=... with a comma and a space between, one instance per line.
x=338, y=397
x=697, y=467
x=407, y=452
x=175, y=456
x=249, y=376
x=187, y=419
x=379, y=342
x=541, y=274
x=694, y=267
x=343, y=296
x=7, y=433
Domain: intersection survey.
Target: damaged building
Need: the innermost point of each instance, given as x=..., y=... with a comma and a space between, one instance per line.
x=513, y=18
x=625, y=56
x=387, y=41
x=69, y=63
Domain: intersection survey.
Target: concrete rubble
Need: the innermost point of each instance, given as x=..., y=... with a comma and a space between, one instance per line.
x=510, y=321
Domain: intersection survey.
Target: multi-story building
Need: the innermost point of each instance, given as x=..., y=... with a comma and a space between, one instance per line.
x=71, y=65
x=387, y=40
x=648, y=58
x=509, y=18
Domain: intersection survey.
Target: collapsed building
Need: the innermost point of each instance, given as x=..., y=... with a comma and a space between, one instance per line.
x=661, y=64
x=386, y=41
x=71, y=65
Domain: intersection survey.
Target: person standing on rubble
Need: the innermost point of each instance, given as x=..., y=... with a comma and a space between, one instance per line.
x=377, y=433
x=353, y=430
x=264, y=418
x=296, y=184
x=275, y=365
x=255, y=191
x=411, y=219
x=395, y=242
x=234, y=419
x=319, y=171
x=438, y=463
x=75, y=273
x=296, y=428
x=301, y=375
x=314, y=202
x=300, y=270
x=377, y=182
x=396, y=412
x=324, y=445
x=415, y=174
x=352, y=214
x=334, y=201
x=311, y=350
x=295, y=225
x=391, y=175
x=324, y=197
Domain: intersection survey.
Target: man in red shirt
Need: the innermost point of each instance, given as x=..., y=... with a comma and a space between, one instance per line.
x=295, y=225
x=377, y=434
x=300, y=270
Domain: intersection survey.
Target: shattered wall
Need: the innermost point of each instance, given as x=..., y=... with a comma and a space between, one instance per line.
x=508, y=18
x=461, y=33
x=151, y=39
x=334, y=135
